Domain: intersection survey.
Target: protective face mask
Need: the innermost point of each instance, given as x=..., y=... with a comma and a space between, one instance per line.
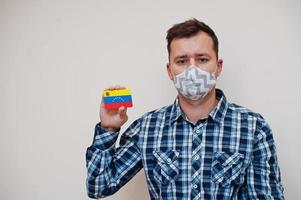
x=194, y=83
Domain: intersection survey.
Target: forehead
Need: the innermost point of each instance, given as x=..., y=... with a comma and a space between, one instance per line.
x=197, y=44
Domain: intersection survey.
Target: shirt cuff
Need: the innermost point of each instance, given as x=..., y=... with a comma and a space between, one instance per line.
x=104, y=139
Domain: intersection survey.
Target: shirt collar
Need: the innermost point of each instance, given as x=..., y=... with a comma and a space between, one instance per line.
x=217, y=114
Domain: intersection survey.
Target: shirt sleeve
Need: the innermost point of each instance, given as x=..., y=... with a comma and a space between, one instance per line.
x=108, y=167
x=263, y=179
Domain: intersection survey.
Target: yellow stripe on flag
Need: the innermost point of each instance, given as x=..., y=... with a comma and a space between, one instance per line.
x=123, y=92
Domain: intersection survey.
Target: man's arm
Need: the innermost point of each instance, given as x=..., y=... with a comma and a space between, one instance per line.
x=263, y=179
x=109, y=168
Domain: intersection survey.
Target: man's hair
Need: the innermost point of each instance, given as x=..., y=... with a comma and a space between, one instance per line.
x=188, y=29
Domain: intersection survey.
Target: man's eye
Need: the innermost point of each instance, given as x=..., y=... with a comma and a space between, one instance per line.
x=203, y=60
x=180, y=62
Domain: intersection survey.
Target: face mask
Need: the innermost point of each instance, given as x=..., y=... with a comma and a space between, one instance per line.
x=194, y=83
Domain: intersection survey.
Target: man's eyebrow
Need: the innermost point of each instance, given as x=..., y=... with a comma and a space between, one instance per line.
x=180, y=56
x=203, y=54
x=185, y=56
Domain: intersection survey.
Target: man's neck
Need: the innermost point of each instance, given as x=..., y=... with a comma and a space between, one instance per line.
x=196, y=110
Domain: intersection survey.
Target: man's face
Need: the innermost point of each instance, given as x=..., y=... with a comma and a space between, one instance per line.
x=196, y=50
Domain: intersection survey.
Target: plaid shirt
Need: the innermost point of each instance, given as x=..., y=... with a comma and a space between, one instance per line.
x=229, y=155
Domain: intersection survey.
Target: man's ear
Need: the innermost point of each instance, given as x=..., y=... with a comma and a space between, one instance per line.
x=219, y=69
x=168, y=68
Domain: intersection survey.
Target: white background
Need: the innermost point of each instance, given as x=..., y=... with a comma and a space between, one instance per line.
x=57, y=56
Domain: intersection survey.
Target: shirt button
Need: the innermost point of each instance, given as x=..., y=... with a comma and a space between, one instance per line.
x=196, y=157
x=168, y=160
x=197, y=131
x=194, y=186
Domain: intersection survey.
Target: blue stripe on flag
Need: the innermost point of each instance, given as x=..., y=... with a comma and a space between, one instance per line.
x=116, y=99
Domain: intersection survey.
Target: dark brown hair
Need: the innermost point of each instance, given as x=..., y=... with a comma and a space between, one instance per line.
x=188, y=29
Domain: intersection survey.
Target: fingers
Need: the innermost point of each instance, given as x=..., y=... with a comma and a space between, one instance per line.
x=102, y=105
x=116, y=87
x=122, y=110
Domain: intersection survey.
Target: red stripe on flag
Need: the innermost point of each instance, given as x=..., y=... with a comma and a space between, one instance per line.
x=117, y=105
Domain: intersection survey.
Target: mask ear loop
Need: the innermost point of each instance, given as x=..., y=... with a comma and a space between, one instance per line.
x=213, y=73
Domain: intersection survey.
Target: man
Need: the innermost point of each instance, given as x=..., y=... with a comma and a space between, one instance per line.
x=200, y=147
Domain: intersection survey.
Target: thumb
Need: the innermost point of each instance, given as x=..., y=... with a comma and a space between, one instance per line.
x=122, y=111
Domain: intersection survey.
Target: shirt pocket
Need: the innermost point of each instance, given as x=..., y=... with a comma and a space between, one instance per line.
x=227, y=168
x=166, y=168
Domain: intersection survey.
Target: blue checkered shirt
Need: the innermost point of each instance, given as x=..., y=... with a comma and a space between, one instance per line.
x=229, y=155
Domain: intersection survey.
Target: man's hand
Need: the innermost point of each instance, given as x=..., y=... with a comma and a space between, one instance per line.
x=112, y=120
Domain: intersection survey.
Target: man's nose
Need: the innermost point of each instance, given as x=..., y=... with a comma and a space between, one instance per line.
x=192, y=61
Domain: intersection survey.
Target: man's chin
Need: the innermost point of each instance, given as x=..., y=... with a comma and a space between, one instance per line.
x=188, y=100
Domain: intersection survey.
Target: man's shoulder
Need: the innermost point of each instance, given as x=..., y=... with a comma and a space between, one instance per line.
x=250, y=116
x=244, y=111
x=162, y=111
